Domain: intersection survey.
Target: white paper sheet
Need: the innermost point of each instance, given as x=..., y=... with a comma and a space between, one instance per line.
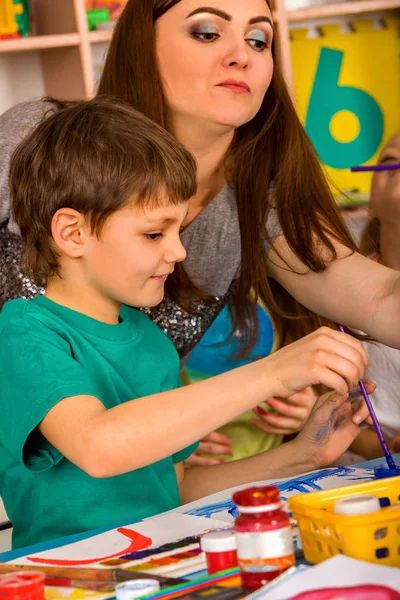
x=339, y=571
x=92, y=550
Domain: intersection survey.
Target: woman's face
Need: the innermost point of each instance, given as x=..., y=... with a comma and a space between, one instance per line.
x=385, y=189
x=215, y=59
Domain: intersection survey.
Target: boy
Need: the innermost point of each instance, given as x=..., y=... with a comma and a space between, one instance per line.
x=94, y=429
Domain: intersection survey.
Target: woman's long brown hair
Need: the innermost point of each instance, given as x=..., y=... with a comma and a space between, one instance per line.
x=271, y=152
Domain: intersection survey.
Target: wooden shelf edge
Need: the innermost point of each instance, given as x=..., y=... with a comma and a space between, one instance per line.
x=97, y=37
x=353, y=7
x=40, y=42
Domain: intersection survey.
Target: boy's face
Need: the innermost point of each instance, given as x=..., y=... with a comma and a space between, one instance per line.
x=137, y=250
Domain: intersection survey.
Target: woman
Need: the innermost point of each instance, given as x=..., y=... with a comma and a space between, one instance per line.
x=263, y=217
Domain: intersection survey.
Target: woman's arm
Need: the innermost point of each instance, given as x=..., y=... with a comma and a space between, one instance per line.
x=353, y=290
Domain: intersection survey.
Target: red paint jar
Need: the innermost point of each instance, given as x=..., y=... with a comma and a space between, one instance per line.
x=22, y=585
x=220, y=550
x=263, y=536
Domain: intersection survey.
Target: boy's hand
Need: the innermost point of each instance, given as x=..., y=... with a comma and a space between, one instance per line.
x=333, y=425
x=213, y=443
x=293, y=413
x=328, y=357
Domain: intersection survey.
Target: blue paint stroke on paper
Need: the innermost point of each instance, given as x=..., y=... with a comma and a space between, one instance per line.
x=302, y=484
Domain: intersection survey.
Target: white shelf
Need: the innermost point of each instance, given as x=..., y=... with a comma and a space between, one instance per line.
x=40, y=42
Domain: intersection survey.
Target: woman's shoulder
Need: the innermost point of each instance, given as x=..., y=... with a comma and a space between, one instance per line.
x=19, y=119
x=15, y=124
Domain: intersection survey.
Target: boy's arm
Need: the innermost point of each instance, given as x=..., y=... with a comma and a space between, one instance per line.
x=140, y=432
x=327, y=434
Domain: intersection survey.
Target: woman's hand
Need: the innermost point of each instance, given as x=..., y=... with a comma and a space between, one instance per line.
x=213, y=443
x=334, y=359
x=293, y=413
x=333, y=425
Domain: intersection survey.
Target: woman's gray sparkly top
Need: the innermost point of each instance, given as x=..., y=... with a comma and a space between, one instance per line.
x=212, y=242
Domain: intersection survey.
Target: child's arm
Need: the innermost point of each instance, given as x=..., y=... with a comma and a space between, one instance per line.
x=135, y=434
x=326, y=435
x=367, y=444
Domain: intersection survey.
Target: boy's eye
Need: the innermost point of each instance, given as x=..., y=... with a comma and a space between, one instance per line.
x=153, y=236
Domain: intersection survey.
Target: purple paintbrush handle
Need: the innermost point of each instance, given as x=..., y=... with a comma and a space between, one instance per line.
x=388, y=167
x=388, y=456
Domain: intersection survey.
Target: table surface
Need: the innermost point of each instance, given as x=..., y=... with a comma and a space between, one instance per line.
x=13, y=554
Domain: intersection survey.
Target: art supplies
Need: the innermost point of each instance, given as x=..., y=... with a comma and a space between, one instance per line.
x=263, y=535
x=91, y=575
x=214, y=583
x=372, y=537
x=379, y=471
x=383, y=167
x=337, y=572
x=220, y=550
x=357, y=505
x=129, y=590
x=28, y=585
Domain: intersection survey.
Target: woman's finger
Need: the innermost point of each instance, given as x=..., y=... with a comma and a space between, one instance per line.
x=210, y=448
x=270, y=429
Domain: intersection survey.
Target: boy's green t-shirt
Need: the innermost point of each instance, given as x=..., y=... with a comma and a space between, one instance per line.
x=47, y=353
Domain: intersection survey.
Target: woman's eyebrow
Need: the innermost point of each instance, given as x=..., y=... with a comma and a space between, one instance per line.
x=223, y=15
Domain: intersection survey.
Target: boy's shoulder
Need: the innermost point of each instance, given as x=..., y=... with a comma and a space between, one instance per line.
x=25, y=317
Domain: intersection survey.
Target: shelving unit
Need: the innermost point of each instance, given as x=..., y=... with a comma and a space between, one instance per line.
x=64, y=44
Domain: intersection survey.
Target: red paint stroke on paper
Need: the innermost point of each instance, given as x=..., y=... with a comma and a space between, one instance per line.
x=139, y=542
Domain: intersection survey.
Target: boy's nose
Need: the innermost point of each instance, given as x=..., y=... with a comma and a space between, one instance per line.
x=176, y=253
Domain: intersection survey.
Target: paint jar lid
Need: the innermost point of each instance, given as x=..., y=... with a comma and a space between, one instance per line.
x=218, y=541
x=128, y=590
x=258, y=499
x=22, y=585
x=357, y=505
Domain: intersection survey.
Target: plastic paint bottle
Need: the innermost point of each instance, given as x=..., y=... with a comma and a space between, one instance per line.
x=128, y=590
x=263, y=535
x=22, y=585
x=357, y=505
x=220, y=550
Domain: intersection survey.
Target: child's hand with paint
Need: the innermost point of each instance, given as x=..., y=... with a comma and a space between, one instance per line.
x=333, y=425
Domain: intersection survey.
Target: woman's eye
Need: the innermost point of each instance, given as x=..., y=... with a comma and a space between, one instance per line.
x=258, y=40
x=388, y=159
x=153, y=236
x=258, y=45
x=205, y=36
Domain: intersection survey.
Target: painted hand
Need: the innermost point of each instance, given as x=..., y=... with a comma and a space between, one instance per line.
x=333, y=425
x=293, y=413
x=213, y=444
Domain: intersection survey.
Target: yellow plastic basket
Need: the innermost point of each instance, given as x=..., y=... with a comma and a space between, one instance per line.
x=373, y=538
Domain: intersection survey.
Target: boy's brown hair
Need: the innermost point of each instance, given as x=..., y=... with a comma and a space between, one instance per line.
x=95, y=157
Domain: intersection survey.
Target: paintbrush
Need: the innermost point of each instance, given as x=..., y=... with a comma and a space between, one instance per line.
x=388, y=167
x=91, y=575
x=388, y=456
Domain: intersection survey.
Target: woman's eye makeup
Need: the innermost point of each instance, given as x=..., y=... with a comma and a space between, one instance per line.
x=258, y=39
x=205, y=31
x=388, y=158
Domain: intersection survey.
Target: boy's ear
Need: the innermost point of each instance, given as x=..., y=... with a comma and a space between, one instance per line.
x=69, y=228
